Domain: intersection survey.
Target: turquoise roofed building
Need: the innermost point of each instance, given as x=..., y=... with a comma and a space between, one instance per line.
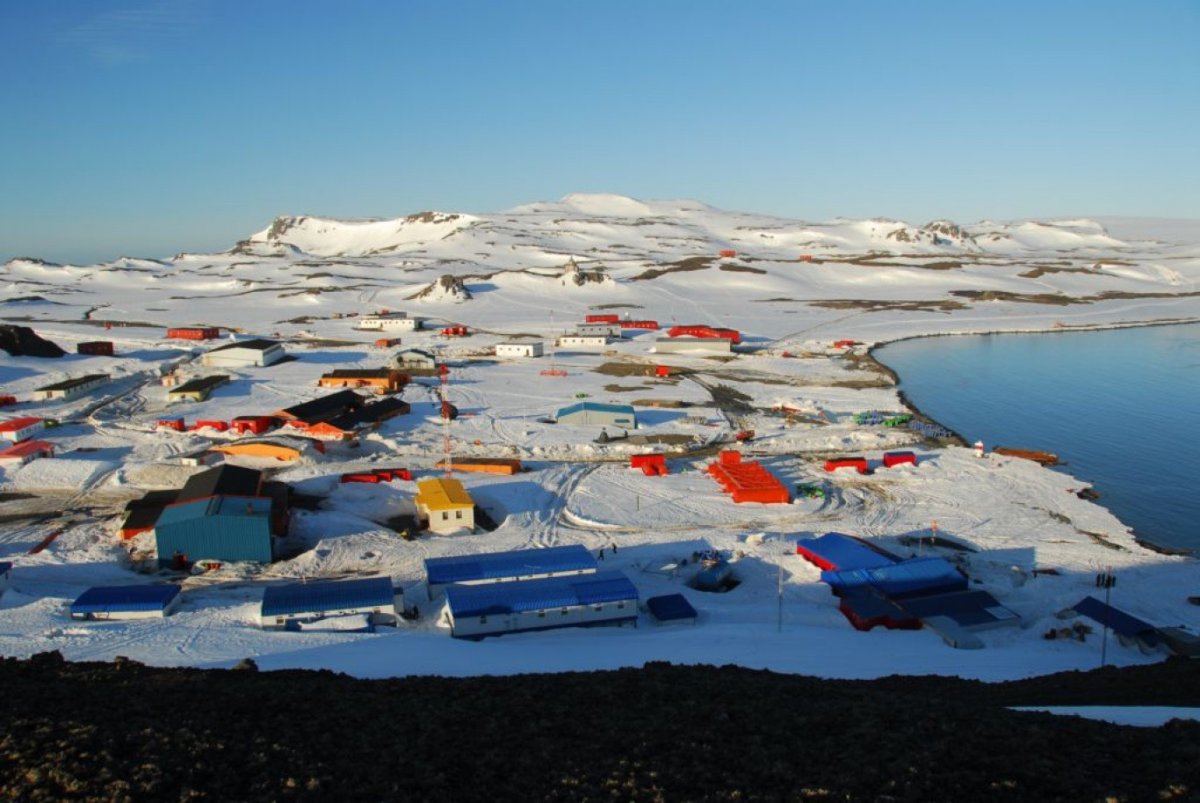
x=598, y=414
x=220, y=528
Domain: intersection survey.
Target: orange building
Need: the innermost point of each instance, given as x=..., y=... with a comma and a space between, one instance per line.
x=381, y=380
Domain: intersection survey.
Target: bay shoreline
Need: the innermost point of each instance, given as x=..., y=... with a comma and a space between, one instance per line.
x=958, y=439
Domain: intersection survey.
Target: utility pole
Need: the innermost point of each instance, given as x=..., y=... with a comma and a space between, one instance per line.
x=1105, y=580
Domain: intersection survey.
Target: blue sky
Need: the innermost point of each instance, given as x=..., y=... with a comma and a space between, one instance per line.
x=148, y=128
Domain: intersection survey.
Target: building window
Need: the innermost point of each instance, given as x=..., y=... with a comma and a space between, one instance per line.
x=598, y=608
x=541, y=614
x=483, y=620
x=620, y=604
x=445, y=516
x=564, y=611
x=458, y=514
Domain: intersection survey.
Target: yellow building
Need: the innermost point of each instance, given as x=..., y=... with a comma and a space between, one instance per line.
x=445, y=503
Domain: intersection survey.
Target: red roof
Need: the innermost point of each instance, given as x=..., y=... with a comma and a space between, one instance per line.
x=26, y=448
x=14, y=424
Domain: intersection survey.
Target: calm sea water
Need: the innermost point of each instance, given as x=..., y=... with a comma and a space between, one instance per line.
x=1120, y=407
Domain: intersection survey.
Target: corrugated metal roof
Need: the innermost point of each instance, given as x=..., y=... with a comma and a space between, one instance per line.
x=536, y=595
x=255, y=344
x=200, y=383
x=25, y=448
x=222, y=480
x=494, y=565
x=443, y=493
x=13, y=424
x=106, y=599
x=912, y=577
x=68, y=384
x=333, y=595
x=598, y=407
x=845, y=552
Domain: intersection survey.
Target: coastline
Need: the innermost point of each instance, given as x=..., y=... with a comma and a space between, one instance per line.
x=958, y=439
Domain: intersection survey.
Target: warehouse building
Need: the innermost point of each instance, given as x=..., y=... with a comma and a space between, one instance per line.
x=606, y=329
x=445, y=504
x=245, y=354
x=219, y=528
x=70, y=388
x=291, y=606
x=126, y=602
x=391, y=322
x=198, y=389
x=511, y=566
x=598, y=415
x=475, y=611
x=520, y=348
x=577, y=340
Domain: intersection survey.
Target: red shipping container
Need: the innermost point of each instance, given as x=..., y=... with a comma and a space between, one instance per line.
x=857, y=463
x=601, y=318
x=194, y=332
x=728, y=253
x=898, y=458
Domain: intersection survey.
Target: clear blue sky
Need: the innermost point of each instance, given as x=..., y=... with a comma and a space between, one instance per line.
x=154, y=126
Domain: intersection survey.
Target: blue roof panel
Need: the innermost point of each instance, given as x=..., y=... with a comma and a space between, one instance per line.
x=1122, y=623
x=106, y=599
x=536, y=595
x=332, y=595
x=670, y=607
x=845, y=552
x=520, y=562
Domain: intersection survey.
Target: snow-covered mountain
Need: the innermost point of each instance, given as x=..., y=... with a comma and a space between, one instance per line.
x=586, y=249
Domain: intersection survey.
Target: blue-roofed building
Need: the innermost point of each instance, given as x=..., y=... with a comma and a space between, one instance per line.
x=505, y=567
x=911, y=578
x=475, y=611
x=126, y=602
x=598, y=415
x=221, y=528
x=292, y=605
x=671, y=608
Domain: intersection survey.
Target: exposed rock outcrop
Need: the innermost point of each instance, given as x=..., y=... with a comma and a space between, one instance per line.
x=21, y=341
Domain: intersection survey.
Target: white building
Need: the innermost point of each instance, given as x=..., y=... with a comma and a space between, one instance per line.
x=410, y=359
x=244, y=354
x=523, y=348
x=607, y=329
x=70, y=388
x=582, y=341
x=475, y=611
x=707, y=346
x=126, y=602
x=293, y=605
x=391, y=322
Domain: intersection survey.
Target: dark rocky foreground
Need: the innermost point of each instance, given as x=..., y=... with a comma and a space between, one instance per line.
x=123, y=731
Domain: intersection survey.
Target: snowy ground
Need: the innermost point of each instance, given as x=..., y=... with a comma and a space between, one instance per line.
x=300, y=279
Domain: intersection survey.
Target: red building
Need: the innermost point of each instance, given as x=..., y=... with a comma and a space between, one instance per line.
x=700, y=330
x=601, y=318
x=194, y=333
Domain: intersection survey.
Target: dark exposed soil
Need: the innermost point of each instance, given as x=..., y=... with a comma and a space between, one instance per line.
x=122, y=731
